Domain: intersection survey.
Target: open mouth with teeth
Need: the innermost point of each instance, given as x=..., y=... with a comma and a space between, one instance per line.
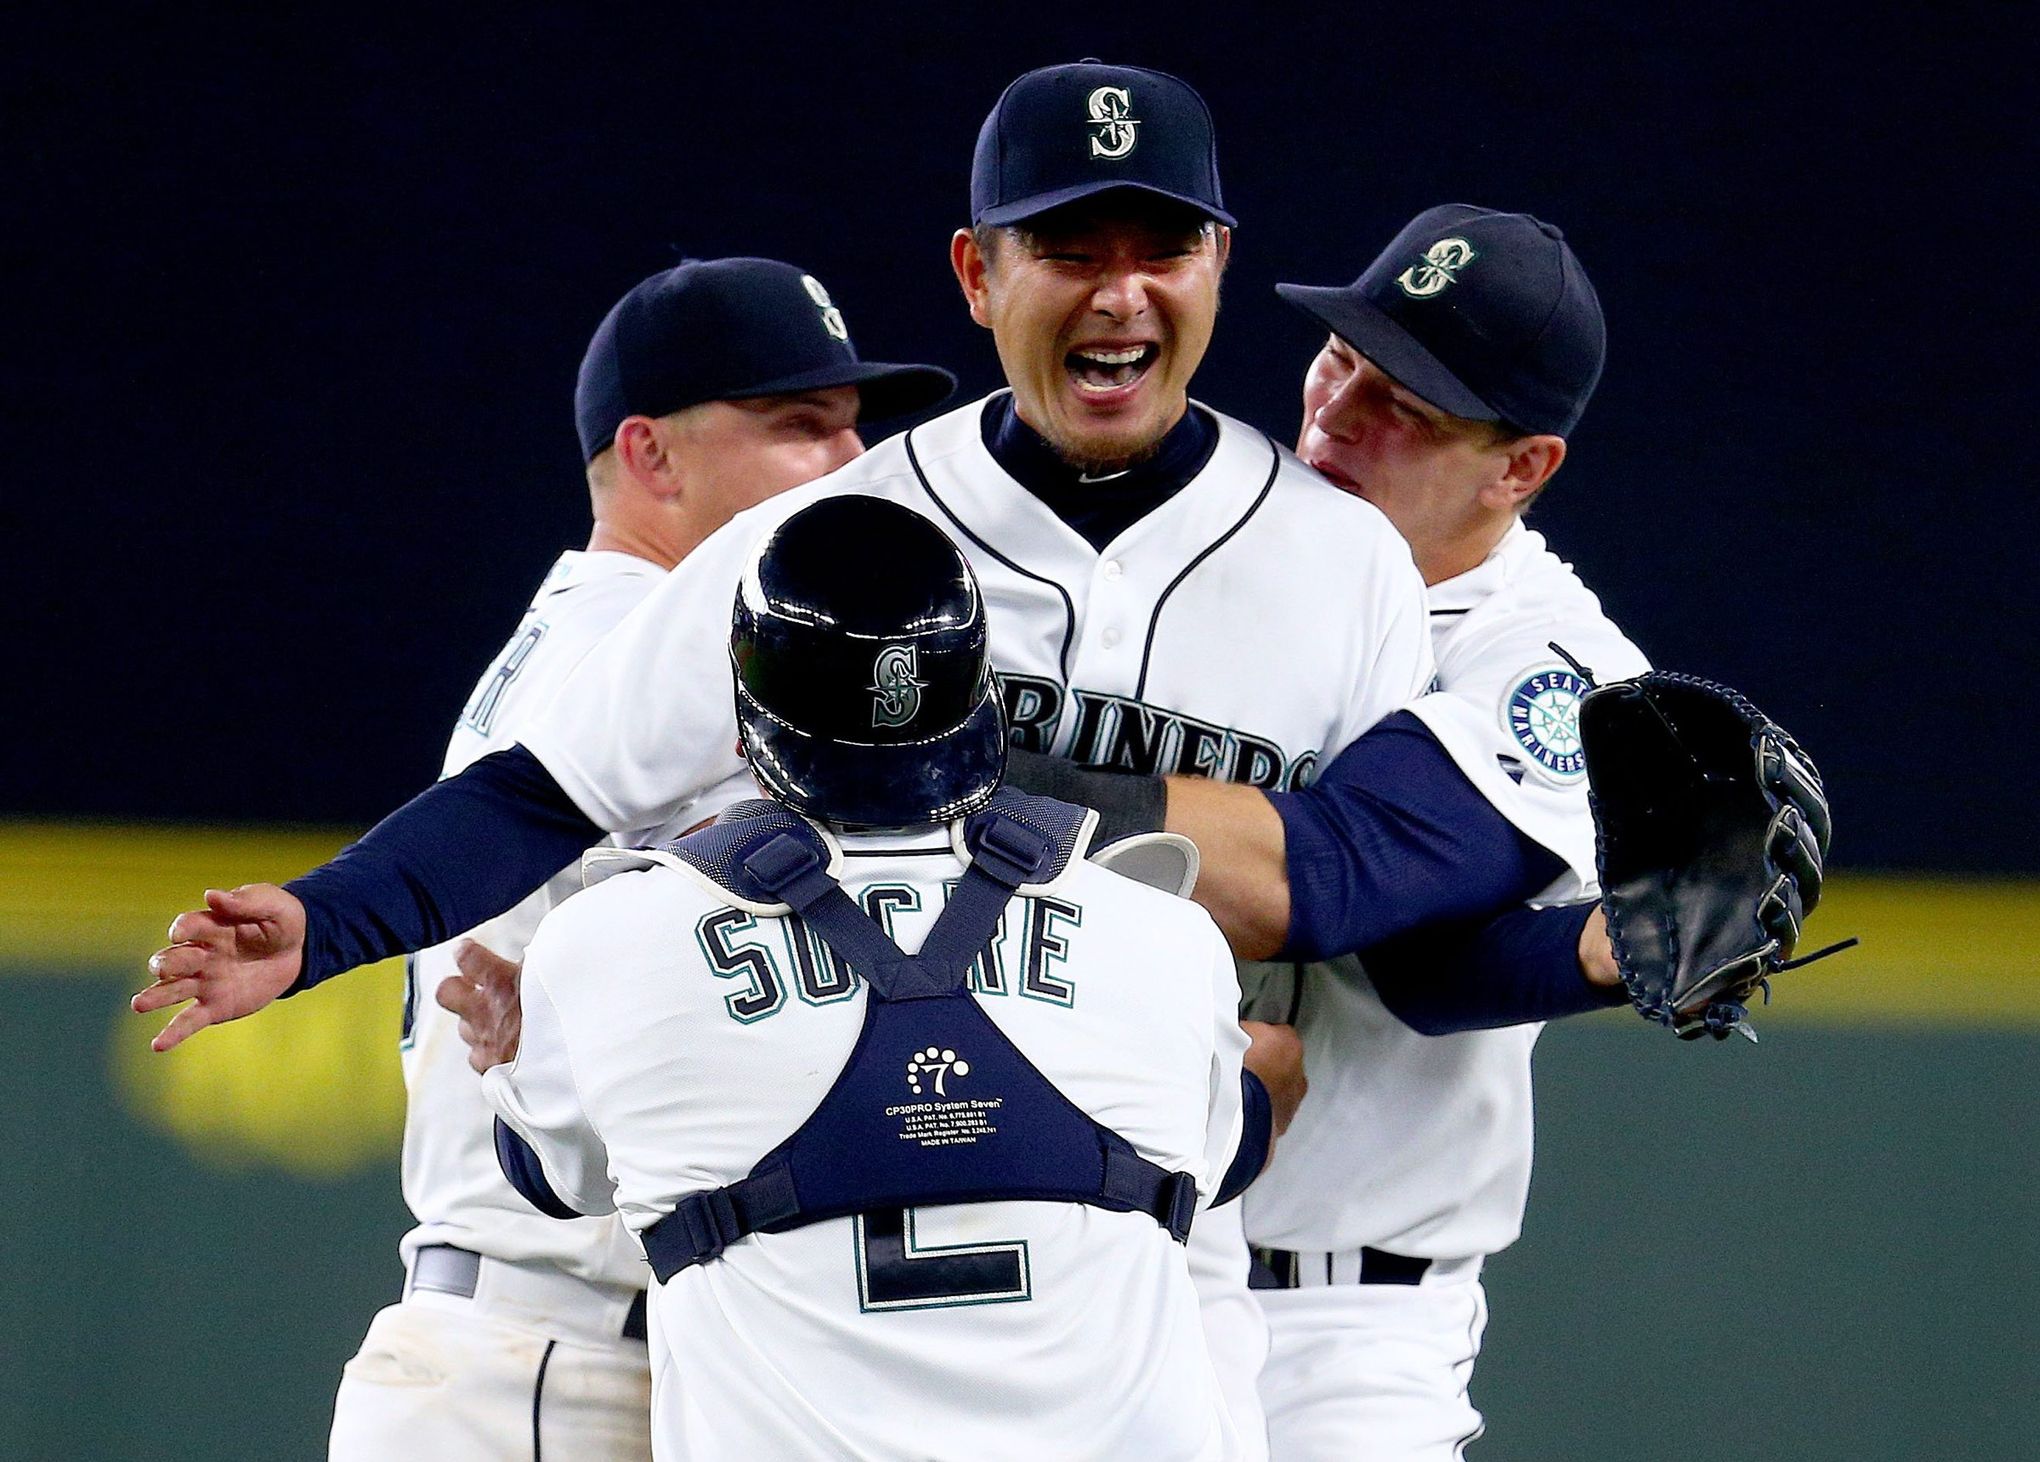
x=1098, y=369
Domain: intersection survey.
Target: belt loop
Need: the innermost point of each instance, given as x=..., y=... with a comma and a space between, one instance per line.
x=1380, y=1267
x=1289, y=1269
x=446, y=1269
x=528, y=1287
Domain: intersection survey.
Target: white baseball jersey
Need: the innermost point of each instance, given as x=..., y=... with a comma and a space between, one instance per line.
x=450, y=1177
x=1420, y=1145
x=1254, y=623
x=1257, y=621
x=672, y=1038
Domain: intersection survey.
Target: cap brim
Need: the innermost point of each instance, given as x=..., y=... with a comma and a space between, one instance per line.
x=886, y=390
x=1040, y=203
x=1363, y=325
x=946, y=777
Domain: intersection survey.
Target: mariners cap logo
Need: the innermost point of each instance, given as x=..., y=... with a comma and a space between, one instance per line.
x=832, y=318
x=895, y=686
x=1113, y=122
x=1441, y=266
x=1542, y=713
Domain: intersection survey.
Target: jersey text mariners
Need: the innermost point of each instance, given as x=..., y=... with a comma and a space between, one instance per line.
x=1255, y=622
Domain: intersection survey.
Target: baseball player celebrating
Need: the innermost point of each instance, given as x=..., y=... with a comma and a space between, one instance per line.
x=1457, y=365
x=1169, y=589
x=707, y=388
x=1117, y=530
x=924, y=1205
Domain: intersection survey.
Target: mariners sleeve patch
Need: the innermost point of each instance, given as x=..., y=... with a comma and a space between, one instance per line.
x=1542, y=715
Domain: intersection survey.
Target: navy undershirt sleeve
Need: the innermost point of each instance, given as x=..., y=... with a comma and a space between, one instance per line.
x=1257, y=1130
x=527, y=1175
x=1395, y=856
x=1519, y=967
x=460, y=852
x=1392, y=837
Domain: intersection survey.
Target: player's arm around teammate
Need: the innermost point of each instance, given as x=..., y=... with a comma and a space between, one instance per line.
x=1387, y=418
x=1120, y=257
x=1410, y=1161
x=1445, y=393
x=1402, y=830
x=668, y=1012
x=1100, y=314
x=725, y=328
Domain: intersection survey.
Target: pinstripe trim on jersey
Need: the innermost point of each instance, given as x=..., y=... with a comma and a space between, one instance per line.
x=1069, y=605
x=1473, y=1327
x=1155, y=619
x=537, y=1396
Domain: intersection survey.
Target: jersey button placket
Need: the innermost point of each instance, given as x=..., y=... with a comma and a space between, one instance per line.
x=1110, y=574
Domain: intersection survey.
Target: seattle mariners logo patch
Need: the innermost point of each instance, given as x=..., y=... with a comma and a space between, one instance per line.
x=1114, y=125
x=832, y=318
x=1441, y=266
x=895, y=686
x=1543, y=714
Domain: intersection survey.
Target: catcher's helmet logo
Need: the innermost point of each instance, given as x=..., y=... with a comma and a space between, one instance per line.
x=1543, y=715
x=1441, y=266
x=895, y=686
x=941, y=1063
x=832, y=318
x=1113, y=124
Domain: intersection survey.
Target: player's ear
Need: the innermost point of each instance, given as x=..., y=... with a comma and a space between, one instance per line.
x=1223, y=243
x=972, y=270
x=644, y=455
x=1530, y=463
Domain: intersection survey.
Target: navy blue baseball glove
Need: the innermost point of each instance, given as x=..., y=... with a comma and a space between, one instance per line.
x=1712, y=833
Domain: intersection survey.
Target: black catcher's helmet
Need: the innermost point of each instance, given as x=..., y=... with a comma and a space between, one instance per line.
x=864, y=682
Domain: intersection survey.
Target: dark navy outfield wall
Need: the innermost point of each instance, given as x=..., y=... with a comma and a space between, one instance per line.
x=295, y=307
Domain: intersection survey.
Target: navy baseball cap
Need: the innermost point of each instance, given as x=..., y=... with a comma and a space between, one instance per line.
x=731, y=330
x=1486, y=315
x=1066, y=132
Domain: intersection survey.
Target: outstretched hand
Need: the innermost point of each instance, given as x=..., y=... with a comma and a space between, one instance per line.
x=484, y=996
x=229, y=959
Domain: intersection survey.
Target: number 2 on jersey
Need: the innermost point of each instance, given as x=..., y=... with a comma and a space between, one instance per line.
x=894, y=1272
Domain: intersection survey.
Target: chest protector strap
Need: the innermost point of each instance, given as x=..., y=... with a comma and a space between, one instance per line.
x=935, y=1105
